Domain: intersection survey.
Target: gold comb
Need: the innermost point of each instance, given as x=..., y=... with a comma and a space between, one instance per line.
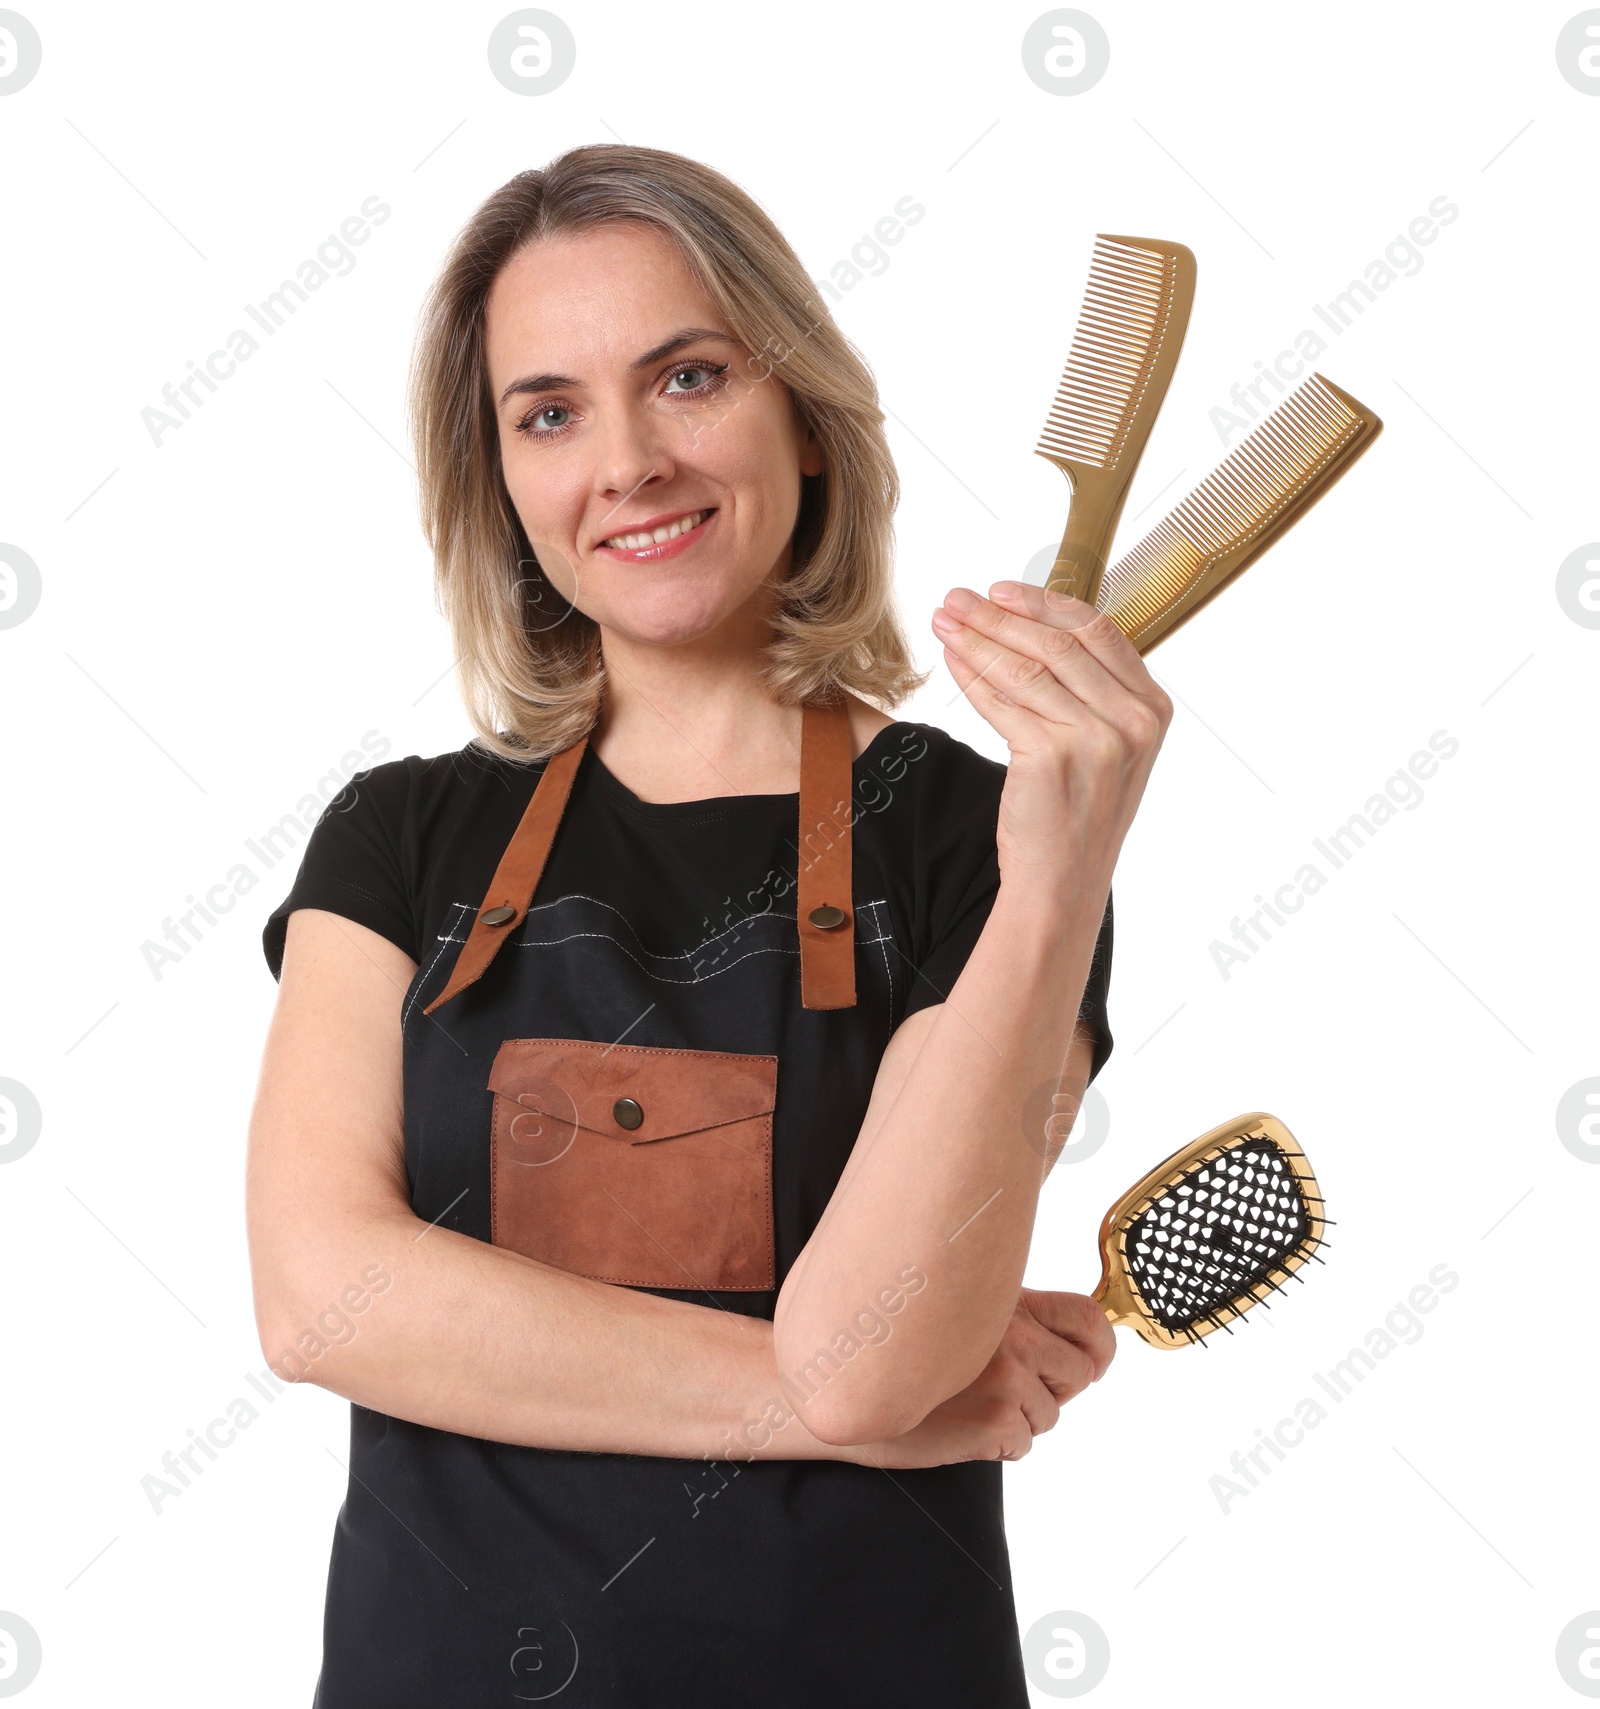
x=1209, y=1233
x=1253, y=497
x=1130, y=330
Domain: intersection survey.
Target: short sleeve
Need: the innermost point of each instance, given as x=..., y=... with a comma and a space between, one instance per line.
x=958, y=878
x=352, y=865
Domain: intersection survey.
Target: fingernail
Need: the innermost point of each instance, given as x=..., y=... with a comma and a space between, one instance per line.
x=946, y=624
x=1006, y=590
x=962, y=599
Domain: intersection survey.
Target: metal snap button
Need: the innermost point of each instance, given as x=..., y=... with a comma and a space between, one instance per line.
x=627, y=1113
x=826, y=917
x=498, y=916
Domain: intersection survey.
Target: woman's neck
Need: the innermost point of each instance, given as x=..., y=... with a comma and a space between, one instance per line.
x=685, y=724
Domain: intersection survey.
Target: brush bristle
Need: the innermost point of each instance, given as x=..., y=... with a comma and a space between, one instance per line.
x=1125, y=305
x=1241, y=496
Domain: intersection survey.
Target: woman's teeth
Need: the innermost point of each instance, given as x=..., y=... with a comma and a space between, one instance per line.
x=638, y=542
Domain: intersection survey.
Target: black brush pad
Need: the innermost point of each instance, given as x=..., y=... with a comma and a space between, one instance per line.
x=1220, y=1232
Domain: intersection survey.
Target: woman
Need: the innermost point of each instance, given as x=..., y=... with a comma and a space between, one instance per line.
x=650, y=1167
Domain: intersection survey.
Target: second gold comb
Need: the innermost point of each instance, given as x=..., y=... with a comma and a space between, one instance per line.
x=1250, y=500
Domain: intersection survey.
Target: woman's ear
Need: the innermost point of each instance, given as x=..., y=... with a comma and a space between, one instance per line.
x=812, y=461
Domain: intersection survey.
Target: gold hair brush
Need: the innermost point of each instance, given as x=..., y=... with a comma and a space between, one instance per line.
x=1210, y=1232
x=1250, y=500
x=1135, y=312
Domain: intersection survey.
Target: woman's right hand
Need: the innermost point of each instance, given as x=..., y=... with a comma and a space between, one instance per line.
x=1053, y=1348
x=1081, y=714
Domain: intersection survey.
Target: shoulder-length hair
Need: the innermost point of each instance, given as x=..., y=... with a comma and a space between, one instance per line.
x=530, y=665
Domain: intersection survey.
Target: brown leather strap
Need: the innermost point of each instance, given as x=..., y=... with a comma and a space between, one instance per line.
x=825, y=911
x=517, y=876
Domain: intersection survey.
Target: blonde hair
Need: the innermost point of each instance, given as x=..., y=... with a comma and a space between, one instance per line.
x=530, y=667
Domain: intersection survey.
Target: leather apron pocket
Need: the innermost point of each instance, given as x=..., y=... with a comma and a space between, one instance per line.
x=635, y=1164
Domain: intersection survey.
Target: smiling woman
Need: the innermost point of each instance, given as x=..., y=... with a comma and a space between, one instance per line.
x=696, y=1229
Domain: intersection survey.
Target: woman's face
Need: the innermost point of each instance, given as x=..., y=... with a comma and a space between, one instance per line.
x=627, y=411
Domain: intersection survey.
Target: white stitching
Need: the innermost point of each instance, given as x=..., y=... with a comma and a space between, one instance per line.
x=580, y=896
x=445, y=940
x=884, y=938
x=680, y=956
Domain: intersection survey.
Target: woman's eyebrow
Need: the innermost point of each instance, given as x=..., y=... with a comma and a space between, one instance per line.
x=657, y=353
x=689, y=335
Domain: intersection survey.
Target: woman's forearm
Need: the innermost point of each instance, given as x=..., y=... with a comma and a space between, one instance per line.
x=432, y=1326
x=947, y=1181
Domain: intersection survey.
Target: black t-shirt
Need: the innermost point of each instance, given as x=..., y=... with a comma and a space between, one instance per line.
x=472, y=1572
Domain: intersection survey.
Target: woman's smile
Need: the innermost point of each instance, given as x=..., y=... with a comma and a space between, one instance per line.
x=660, y=537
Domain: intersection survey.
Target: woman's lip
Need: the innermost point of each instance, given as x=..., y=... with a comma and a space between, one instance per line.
x=664, y=549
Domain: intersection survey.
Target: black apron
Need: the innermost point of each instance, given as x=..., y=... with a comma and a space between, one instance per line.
x=571, y=1105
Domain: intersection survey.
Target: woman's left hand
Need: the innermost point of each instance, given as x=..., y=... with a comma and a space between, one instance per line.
x=1054, y=1346
x=1081, y=714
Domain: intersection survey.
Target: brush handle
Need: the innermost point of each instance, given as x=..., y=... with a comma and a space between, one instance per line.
x=1097, y=498
x=1107, y=1295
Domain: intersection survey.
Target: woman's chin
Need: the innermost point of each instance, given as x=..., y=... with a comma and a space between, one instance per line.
x=671, y=620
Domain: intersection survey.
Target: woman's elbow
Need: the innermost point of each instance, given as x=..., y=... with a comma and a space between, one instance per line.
x=287, y=1337
x=304, y=1326
x=848, y=1406
x=844, y=1421
x=850, y=1396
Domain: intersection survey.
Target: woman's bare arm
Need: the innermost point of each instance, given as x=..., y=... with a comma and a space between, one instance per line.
x=945, y=1180
x=355, y=1293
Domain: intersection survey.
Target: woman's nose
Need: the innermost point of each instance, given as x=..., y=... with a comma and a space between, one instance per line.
x=630, y=450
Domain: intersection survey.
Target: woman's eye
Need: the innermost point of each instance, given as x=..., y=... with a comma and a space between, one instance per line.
x=694, y=378
x=540, y=420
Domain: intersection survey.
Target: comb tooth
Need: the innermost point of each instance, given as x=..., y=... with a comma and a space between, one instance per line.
x=1106, y=375
x=1121, y=356
x=1124, y=297
x=1085, y=392
x=1102, y=379
x=1129, y=291
x=1112, y=280
x=1103, y=344
x=1096, y=352
x=1126, y=292
x=1098, y=345
x=1117, y=272
x=1093, y=416
x=1128, y=255
x=1108, y=367
x=1102, y=320
x=1119, y=312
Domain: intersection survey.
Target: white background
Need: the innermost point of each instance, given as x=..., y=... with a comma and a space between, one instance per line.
x=225, y=615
